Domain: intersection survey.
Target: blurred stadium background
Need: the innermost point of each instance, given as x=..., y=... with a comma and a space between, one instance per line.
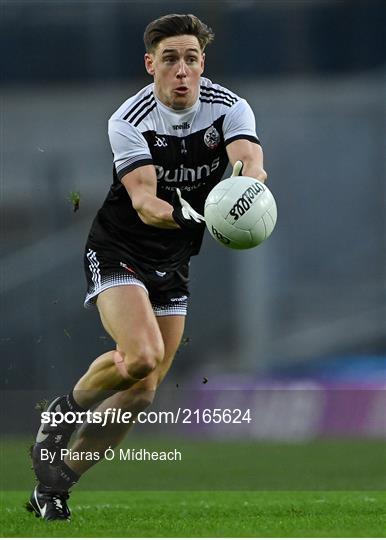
x=301, y=317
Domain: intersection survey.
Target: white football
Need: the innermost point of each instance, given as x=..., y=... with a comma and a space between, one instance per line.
x=240, y=212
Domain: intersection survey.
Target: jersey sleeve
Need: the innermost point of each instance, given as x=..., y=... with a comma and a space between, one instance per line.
x=239, y=123
x=129, y=147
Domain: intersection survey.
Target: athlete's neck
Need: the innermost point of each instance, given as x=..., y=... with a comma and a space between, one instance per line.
x=187, y=110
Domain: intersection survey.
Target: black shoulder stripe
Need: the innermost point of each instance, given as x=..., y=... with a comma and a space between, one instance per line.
x=218, y=92
x=137, y=104
x=212, y=100
x=137, y=122
x=232, y=101
x=211, y=89
x=138, y=113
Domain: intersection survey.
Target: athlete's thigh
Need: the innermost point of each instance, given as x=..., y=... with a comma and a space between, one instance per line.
x=126, y=314
x=172, y=329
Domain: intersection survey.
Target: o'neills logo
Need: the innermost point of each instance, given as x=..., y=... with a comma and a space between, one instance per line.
x=184, y=125
x=244, y=203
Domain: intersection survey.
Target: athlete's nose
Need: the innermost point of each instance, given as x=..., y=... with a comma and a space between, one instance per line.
x=181, y=69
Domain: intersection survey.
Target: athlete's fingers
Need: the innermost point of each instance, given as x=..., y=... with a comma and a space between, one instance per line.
x=237, y=168
x=186, y=212
x=189, y=211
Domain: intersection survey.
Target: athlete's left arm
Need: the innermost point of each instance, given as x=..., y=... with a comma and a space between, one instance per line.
x=251, y=154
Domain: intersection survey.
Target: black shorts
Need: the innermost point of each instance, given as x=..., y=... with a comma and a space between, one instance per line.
x=168, y=291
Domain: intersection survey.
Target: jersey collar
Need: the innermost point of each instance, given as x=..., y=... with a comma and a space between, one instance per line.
x=182, y=112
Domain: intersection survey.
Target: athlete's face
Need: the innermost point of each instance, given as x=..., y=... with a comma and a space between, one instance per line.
x=176, y=65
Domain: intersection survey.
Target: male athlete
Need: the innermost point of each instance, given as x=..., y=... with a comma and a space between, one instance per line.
x=171, y=144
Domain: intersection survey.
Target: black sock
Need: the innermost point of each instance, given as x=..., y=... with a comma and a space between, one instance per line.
x=72, y=404
x=68, y=476
x=67, y=404
x=63, y=478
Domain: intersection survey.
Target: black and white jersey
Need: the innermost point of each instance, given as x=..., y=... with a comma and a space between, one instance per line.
x=188, y=151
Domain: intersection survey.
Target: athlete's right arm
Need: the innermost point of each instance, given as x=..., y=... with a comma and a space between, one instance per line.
x=129, y=146
x=141, y=185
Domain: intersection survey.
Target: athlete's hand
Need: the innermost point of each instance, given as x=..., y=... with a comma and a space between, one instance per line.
x=237, y=168
x=184, y=215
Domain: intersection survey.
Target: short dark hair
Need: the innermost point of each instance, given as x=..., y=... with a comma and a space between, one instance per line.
x=176, y=25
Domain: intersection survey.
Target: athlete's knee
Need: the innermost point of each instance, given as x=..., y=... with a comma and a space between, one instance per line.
x=144, y=360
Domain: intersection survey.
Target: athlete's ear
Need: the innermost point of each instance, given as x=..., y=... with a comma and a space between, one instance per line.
x=202, y=63
x=149, y=63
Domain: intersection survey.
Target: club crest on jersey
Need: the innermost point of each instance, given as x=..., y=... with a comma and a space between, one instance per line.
x=212, y=137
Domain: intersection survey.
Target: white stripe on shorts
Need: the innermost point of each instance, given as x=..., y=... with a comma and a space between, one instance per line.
x=94, y=268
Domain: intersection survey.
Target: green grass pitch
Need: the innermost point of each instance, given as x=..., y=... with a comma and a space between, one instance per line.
x=206, y=514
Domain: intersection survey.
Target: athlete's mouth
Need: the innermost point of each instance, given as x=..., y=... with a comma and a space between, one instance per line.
x=181, y=89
